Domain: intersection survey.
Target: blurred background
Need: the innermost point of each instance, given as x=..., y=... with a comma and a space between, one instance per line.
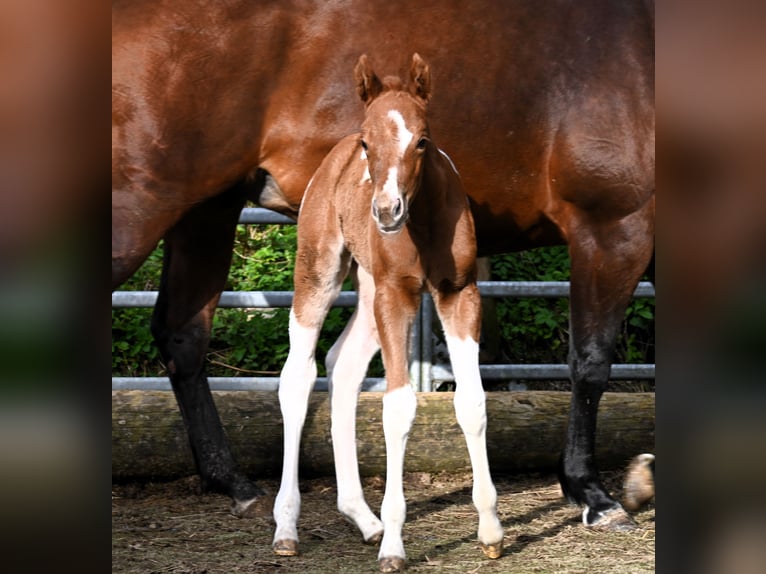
x=711, y=257
x=54, y=448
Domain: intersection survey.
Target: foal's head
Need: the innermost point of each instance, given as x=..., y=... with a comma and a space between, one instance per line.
x=394, y=138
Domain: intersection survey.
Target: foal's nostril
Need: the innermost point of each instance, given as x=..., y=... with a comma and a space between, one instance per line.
x=397, y=210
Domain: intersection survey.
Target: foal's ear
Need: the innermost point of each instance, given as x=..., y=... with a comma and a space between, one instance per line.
x=368, y=85
x=421, y=78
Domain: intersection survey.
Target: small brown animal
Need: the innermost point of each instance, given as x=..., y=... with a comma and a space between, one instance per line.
x=389, y=198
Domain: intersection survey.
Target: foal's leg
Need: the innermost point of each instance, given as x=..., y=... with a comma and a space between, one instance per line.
x=347, y=363
x=197, y=256
x=460, y=314
x=604, y=275
x=319, y=278
x=394, y=313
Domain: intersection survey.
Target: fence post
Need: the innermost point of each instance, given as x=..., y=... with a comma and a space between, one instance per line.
x=415, y=355
x=426, y=343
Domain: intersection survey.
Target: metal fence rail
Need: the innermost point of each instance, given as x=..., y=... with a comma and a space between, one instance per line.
x=423, y=373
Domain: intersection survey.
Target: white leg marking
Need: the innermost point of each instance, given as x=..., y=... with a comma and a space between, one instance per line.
x=347, y=365
x=295, y=385
x=470, y=410
x=398, y=413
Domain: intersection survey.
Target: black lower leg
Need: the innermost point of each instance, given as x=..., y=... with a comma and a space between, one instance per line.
x=196, y=263
x=183, y=351
x=578, y=472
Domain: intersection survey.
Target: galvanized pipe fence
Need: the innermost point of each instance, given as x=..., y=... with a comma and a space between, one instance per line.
x=424, y=374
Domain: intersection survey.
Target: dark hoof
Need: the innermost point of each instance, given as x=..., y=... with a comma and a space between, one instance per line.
x=493, y=551
x=260, y=507
x=391, y=564
x=243, y=489
x=240, y=507
x=612, y=520
x=243, y=493
x=285, y=547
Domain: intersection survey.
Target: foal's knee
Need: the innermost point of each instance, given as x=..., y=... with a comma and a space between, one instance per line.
x=399, y=408
x=470, y=411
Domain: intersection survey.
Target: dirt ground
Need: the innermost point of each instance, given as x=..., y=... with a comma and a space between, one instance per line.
x=171, y=528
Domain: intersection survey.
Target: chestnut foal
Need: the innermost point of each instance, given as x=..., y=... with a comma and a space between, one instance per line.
x=392, y=201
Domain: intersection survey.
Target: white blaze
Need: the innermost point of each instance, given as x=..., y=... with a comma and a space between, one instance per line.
x=391, y=186
x=403, y=135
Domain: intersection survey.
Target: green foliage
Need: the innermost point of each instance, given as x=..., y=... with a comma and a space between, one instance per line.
x=255, y=342
x=244, y=342
x=134, y=353
x=133, y=350
x=536, y=330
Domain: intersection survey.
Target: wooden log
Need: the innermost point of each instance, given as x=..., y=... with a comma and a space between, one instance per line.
x=525, y=432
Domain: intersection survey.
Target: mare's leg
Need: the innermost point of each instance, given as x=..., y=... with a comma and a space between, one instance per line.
x=139, y=221
x=606, y=267
x=319, y=278
x=395, y=310
x=196, y=262
x=460, y=314
x=347, y=363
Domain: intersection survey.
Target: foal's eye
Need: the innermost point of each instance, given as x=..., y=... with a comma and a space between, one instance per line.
x=364, y=144
x=421, y=145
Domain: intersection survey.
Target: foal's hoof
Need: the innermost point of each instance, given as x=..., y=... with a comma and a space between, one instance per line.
x=375, y=539
x=493, y=551
x=391, y=564
x=285, y=547
x=613, y=520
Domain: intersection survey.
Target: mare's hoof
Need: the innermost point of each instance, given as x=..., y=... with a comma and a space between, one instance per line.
x=243, y=494
x=285, y=547
x=391, y=564
x=240, y=507
x=613, y=520
x=492, y=551
x=375, y=539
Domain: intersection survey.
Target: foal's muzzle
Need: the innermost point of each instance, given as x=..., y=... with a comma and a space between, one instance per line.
x=390, y=216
